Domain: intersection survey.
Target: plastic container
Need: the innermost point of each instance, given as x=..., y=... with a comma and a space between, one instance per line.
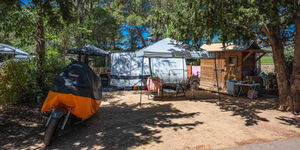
x=232, y=89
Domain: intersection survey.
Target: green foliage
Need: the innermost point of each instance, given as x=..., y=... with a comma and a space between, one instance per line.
x=289, y=53
x=18, y=80
x=134, y=16
x=16, y=25
x=233, y=21
x=98, y=62
x=289, y=57
x=17, y=83
x=54, y=64
x=105, y=29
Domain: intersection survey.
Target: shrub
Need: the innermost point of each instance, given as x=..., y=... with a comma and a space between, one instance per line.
x=18, y=81
x=54, y=64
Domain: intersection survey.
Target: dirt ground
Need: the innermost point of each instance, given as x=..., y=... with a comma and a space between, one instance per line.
x=176, y=124
x=267, y=68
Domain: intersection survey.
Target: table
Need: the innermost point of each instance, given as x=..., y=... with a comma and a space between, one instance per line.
x=241, y=85
x=176, y=86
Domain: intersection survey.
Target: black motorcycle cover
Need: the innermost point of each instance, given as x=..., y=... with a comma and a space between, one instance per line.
x=78, y=79
x=76, y=87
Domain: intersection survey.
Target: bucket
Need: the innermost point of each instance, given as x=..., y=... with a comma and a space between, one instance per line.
x=232, y=89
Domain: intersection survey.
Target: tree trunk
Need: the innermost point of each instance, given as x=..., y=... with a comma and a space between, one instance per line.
x=63, y=51
x=295, y=77
x=40, y=51
x=287, y=88
x=157, y=37
x=91, y=4
x=141, y=36
x=113, y=43
x=288, y=84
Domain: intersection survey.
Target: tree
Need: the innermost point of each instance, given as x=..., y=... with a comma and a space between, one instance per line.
x=105, y=29
x=271, y=23
x=15, y=24
x=159, y=18
x=49, y=11
x=133, y=15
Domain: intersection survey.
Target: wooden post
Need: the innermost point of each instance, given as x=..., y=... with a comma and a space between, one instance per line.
x=105, y=64
x=249, y=54
x=259, y=65
x=216, y=70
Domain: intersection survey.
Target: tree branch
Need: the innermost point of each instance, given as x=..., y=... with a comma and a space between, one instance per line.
x=254, y=34
x=266, y=30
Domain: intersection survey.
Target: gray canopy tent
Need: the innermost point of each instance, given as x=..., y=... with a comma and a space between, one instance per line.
x=10, y=52
x=88, y=50
x=169, y=49
x=8, y=49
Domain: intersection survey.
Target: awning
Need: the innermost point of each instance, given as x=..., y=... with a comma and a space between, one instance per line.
x=88, y=50
x=169, y=48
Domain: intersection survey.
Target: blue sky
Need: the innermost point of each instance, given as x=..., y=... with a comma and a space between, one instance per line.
x=26, y=2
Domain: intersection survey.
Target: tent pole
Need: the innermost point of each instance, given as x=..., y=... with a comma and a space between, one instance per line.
x=142, y=81
x=183, y=70
x=105, y=64
x=216, y=70
x=150, y=66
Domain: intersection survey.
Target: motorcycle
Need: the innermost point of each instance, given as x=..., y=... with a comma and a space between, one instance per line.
x=76, y=91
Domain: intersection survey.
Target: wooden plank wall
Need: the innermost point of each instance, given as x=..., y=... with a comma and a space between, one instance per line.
x=208, y=74
x=230, y=72
x=233, y=72
x=249, y=63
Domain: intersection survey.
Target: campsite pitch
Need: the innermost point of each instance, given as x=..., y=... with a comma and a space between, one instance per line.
x=202, y=123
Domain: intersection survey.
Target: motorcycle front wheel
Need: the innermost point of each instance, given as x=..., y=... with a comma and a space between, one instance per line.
x=52, y=130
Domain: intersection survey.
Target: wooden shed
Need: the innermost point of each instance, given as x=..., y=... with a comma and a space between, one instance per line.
x=233, y=62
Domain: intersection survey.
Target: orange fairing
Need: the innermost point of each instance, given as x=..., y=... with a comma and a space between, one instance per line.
x=82, y=107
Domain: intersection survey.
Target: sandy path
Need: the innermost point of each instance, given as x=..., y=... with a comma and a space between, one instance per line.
x=177, y=124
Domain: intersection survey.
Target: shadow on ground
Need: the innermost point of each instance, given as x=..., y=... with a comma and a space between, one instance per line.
x=123, y=126
x=293, y=121
x=22, y=126
x=240, y=106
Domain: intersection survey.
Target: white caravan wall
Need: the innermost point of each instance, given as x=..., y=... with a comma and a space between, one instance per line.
x=171, y=70
x=126, y=70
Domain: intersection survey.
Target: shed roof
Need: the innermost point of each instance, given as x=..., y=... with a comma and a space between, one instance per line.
x=218, y=47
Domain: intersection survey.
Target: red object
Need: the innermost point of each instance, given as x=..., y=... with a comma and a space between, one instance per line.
x=154, y=84
x=189, y=71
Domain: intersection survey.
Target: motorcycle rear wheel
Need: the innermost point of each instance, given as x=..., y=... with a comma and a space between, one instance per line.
x=52, y=130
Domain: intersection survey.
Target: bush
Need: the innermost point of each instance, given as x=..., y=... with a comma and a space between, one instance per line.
x=18, y=81
x=289, y=56
x=54, y=64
